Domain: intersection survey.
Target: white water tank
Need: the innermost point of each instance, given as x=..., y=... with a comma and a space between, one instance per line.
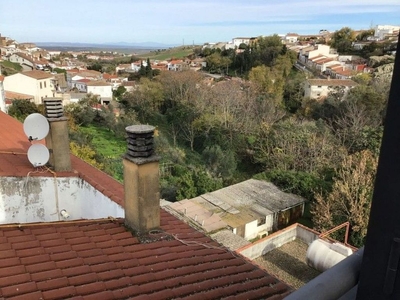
x=322, y=255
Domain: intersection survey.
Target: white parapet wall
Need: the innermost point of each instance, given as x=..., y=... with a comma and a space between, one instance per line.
x=41, y=199
x=277, y=239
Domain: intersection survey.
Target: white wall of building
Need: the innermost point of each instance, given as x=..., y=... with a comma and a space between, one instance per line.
x=104, y=91
x=382, y=30
x=252, y=230
x=23, y=84
x=2, y=97
x=41, y=199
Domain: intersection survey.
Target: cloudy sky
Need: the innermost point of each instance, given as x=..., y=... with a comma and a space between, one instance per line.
x=184, y=21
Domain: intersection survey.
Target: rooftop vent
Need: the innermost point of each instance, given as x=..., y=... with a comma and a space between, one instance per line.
x=140, y=141
x=53, y=107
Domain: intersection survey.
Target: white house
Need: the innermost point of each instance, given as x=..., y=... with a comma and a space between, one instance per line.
x=320, y=88
x=80, y=84
x=309, y=53
x=26, y=62
x=102, y=89
x=37, y=83
x=382, y=30
x=291, y=38
x=241, y=40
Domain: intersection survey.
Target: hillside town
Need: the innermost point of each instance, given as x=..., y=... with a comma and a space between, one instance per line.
x=242, y=170
x=37, y=66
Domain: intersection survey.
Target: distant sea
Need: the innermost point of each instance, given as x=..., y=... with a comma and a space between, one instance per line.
x=117, y=47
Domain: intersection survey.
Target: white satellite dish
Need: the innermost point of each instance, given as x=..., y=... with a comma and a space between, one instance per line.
x=38, y=155
x=36, y=127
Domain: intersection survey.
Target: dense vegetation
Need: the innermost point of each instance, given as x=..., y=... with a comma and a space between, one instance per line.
x=215, y=133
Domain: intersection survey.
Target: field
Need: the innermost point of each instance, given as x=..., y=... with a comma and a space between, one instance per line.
x=105, y=142
x=9, y=68
x=165, y=54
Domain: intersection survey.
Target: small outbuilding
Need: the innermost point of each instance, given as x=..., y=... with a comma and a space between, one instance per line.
x=251, y=209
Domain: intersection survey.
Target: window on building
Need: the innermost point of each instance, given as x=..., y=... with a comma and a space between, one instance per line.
x=320, y=86
x=40, y=85
x=261, y=221
x=45, y=84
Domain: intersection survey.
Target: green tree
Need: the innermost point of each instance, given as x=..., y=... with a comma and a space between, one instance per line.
x=294, y=145
x=83, y=112
x=221, y=163
x=95, y=66
x=350, y=199
x=216, y=63
x=342, y=40
x=119, y=92
x=149, y=70
x=20, y=109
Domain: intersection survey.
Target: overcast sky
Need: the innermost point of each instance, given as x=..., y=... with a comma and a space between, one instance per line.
x=184, y=21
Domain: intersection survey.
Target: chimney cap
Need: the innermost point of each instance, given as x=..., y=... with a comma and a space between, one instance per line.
x=140, y=129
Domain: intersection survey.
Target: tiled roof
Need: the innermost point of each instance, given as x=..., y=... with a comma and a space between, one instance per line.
x=101, y=259
x=98, y=83
x=14, y=95
x=24, y=56
x=332, y=82
x=37, y=74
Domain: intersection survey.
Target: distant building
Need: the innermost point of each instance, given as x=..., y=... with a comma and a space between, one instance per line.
x=382, y=30
x=320, y=88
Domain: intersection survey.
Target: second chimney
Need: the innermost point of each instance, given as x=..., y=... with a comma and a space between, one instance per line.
x=57, y=140
x=141, y=180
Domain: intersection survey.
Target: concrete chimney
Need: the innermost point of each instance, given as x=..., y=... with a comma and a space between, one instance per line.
x=57, y=141
x=141, y=180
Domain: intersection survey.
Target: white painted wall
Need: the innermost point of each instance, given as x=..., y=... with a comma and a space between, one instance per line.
x=251, y=230
x=277, y=239
x=23, y=84
x=104, y=91
x=2, y=97
x=40, y=199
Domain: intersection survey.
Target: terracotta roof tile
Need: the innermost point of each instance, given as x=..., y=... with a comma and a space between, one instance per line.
x=108, y=275
x=13, y=261
x=129, y=291
x=15, y=279
x=96, y=260
x=118, y=283
x=60, y=293
x=63, y=255
x=104, y=295
x=33, y=295
x=18, y=289
x=52, y=284
x=29, y=252
x=41, y=267
x=83, y=279
x=46, y=275
x=74, y=271
x=7, y=253
x=14, y=270
x=91, y=288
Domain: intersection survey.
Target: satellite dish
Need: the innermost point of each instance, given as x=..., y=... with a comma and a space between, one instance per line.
x=36, y=127
x=38, y=155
